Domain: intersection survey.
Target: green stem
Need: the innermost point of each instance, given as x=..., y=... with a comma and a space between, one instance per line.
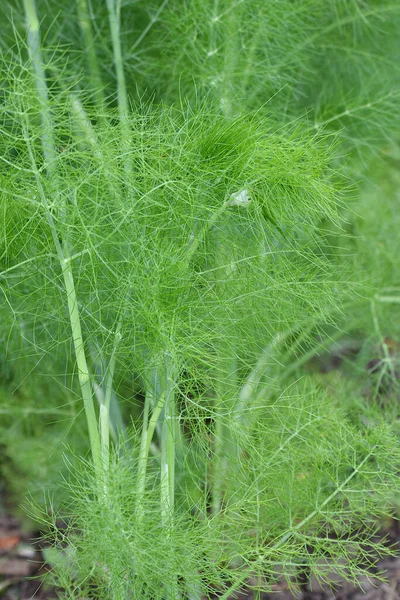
x=94, y=75
x=86, y=127
x=219, y=465
x=231, y=52
x=167, y=478
x=168, y=448
x=81, y=362
x=105, y=446
x=157, y=399
x=226, y=450
x=153, y=422
x=160, y=389
x=123, y=104
x=89, y=133
x=195, y=243
x=143, y=454
x=105, y=407
x=34, y=48
x=49, y=152
x=114, y=20
x=282, y=539
x=225, y=447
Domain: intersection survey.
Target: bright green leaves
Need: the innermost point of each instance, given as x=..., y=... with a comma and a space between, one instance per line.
x=145, y=248
x=303, y=479
x=190, y=267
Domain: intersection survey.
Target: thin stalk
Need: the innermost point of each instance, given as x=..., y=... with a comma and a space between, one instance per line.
x=146, y=30
x=212, y=52
x=283, y=538
x=145, y=441
x=155, y=396
x=245, y=409
x=90, y=137
x=206, y=228
x=225, y=446
x=251, y=50
x=117, y=428
x=86, y=127
x=223, y=66
x=49, y=152
x=387, y=363
x=94, y=75
x=35, y=54
x=83, y=371
x=219, y=465
x=296, y=363
x=167, y=476
x=105, y=407
x=168, y=448
x=231, y=53
x=155, y=415
x=113, y=7
x=248, y=391
x=251, y=390
x=257, y=591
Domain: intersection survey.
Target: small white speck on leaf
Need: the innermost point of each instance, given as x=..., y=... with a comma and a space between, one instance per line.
x=240, y=198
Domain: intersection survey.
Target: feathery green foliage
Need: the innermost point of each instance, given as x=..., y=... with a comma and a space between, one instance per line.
x=167, y=257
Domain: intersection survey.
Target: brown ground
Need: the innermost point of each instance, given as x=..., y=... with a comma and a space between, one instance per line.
x=21, y=563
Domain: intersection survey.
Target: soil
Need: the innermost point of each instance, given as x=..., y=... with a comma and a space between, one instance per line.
x=21, y=563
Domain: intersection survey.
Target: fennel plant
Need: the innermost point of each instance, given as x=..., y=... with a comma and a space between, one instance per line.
x=168, y=251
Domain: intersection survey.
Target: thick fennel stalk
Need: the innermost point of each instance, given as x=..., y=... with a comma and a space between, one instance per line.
x=49, y=152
